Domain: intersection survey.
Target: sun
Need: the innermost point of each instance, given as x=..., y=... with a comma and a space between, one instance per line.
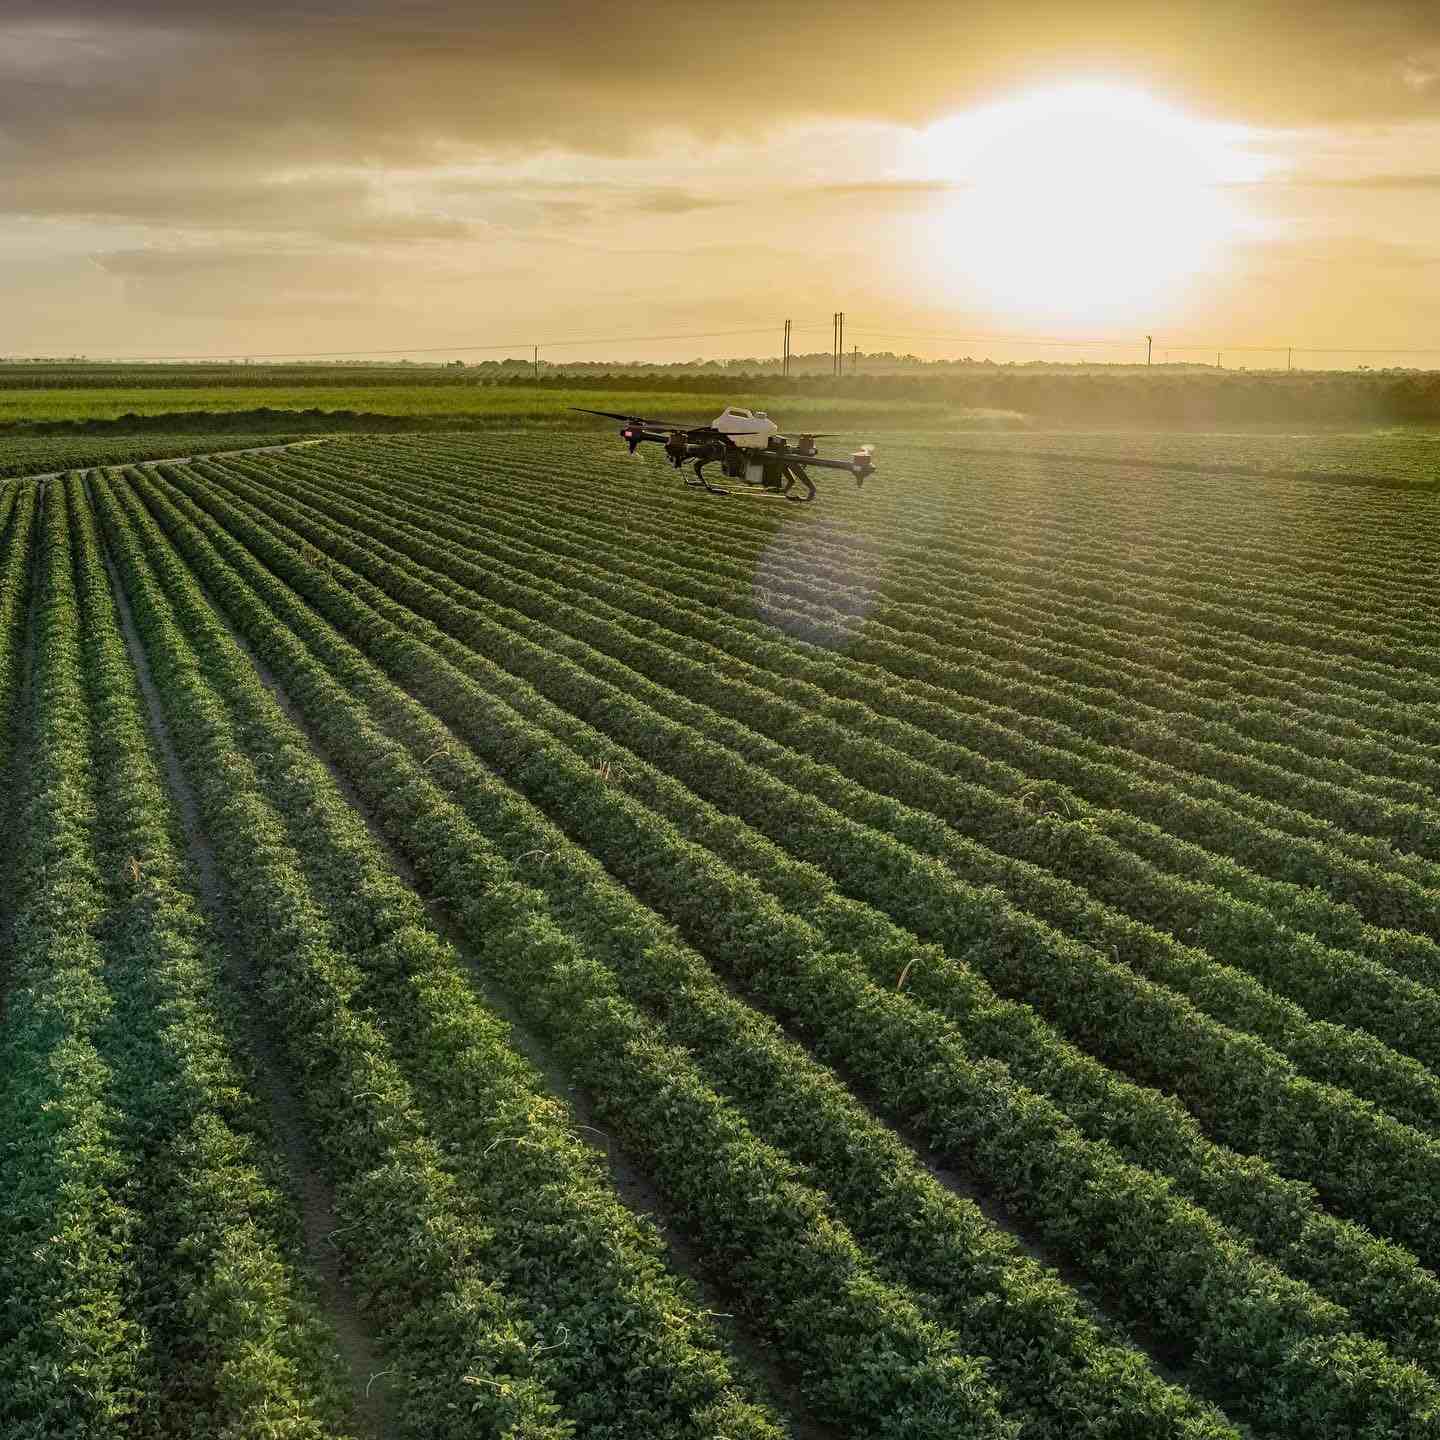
x=1082, y=202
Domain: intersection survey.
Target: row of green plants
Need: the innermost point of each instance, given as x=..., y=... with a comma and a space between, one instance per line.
x=1195, y=1056
x=50, y=454
x=950, y=536
x=1054, y=1363
x=1070, y=1189
x=1148, y=816
x=74, y=1359
x=1328, y=982
x=1341, y=817
x=17, y=520
x=867, y=1355
x=463, y=1356
x=989, y=560
x=239, y=1341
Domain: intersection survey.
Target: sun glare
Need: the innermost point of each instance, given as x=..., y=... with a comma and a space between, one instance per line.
x=1087, y=202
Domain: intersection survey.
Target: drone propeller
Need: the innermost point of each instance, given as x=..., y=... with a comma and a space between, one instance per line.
x=640, y=420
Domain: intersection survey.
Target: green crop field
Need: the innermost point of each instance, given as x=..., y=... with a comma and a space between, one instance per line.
x=22, y=455
x=499, y=944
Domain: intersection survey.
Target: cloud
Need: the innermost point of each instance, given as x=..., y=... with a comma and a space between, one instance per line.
x=672, y=202
x=373, y=79
x=239, y=146
x=1383, y=180
x=893, y=187
x=161, y=112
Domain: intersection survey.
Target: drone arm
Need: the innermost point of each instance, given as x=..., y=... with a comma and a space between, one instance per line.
x=853, y=466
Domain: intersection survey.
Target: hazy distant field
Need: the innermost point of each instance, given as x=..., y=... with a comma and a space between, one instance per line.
x=492, y=405
x=1411, y=454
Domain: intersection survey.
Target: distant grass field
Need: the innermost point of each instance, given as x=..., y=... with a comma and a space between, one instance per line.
x=1409, y=454
x=487, y=405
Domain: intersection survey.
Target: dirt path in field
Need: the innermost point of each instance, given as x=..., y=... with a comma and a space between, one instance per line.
x=315, y=1194
x=167, y=460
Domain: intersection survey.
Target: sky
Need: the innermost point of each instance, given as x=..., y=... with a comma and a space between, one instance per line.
x=1039, y=179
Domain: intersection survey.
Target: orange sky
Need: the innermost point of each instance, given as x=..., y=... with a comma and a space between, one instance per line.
x=345, y=176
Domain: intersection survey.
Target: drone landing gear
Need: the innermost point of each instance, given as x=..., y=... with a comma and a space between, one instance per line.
x=792, y=474
x=701, y=483
x=774, y=481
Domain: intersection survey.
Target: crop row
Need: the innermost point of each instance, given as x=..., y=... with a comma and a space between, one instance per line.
x=1192, y=1051
x=894, y=1204
x=1295, y=803
x=237, y=1337
x=48, y=454
x=1166, y=814
x=993, y=568
x=1241, y=933
x=17, y=521
x=873, y=1359
x=1077, y=1193
x=73, y=1358
x=1012, y=551
x=839, y=556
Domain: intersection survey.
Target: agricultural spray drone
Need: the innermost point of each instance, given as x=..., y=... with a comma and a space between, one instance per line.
x=746, y=444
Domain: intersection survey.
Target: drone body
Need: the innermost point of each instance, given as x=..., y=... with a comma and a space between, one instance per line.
x=746, y=444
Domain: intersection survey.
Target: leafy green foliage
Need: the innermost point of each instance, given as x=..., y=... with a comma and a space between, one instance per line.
x=1057, y=832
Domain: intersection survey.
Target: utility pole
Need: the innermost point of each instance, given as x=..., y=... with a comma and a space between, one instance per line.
x=785, y=363
x=854, y=358
x=840, y=347
x=1149, y=341
x=537, y=364
x=834, y=339
x=1217, y=360
x=1289, y=357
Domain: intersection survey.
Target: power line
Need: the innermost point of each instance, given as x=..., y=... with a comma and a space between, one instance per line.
x=1169, y=344
x=838, y=324
x=515, y=345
